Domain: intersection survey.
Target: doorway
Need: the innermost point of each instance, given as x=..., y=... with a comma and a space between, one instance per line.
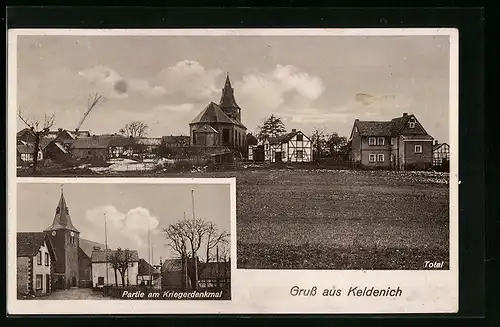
x=73, y=281
x=47, y=283
x=277, y=156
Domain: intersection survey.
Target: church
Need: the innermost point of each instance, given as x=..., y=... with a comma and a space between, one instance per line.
x=220, y=125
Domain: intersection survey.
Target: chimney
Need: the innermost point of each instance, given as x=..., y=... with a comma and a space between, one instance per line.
x=356, y=119
x=294, y=130
x=405, y=114
x=97, y=248
x=59, y=130
x=436, y=142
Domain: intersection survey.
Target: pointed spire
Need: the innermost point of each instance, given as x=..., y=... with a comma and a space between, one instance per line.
x=62, y=219
x=228, y=82
x=227, y=101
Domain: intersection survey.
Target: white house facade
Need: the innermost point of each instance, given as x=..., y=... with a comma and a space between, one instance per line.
x=103, y=272
x=291, y=147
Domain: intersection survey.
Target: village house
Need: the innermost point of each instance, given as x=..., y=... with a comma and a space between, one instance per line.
x=219, y=124
x=35, y=260
x=149, y=145
x=291, y=147
x=401, y=143
x=211, y=275
x=103, y=272
x=85, y=261
x=25, y=153
x=440, y=154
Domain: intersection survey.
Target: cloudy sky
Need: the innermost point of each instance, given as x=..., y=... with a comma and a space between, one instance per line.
x=164, y=81
x=128, y=208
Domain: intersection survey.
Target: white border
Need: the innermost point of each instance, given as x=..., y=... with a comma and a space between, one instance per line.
x=260, y=291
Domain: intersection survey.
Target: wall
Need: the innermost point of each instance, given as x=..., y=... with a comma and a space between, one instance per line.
x=23, y=274
x=419, y=161
x=42, y=269
x=99, y=270
x=85, y=269
x=356, y=146
x=293, y=145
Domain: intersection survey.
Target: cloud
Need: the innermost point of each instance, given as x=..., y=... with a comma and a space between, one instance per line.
x=368, y=99
x=191, y=79
x=124, y=229
x=183, y=107
x=269, y=91
x=113, y=85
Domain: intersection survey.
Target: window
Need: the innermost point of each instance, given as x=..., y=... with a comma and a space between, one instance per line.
x=47, y=259
x=39, y=258
x=418, y=149
x=371, y=157
x=283, y=155
x=225, y=135
x=39, y=279
x=100, y=280
x=356, y=129
x=380, y=141
x=392, y=141
x=412, y=124
x=380, y=157
x=372, y=141
x=194, y=137
x=300, y=154
x=300, y=137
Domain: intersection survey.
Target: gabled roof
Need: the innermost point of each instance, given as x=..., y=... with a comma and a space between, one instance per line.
x=206, y=129
x=25, y=130
x=26, y=149
x=149, y=140
x=170, y=265
x=284, y=138
x=29, y=243
x=62, y=219
x=437, y=146
x=93, y=142
x=146, y=269
x=374, y=128
x=100, y=256
x=88, y=246
x=385, y=128
x=213, y=114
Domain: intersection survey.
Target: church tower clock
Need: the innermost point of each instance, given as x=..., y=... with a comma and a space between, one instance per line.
x=65, y=238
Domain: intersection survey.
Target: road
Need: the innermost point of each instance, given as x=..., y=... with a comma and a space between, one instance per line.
x=75, y=294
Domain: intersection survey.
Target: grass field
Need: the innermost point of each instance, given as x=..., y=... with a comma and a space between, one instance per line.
x=338, y=219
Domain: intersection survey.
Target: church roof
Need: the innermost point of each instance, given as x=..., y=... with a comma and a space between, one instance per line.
x=62, y=219
x=214, y=114
x=88, y=246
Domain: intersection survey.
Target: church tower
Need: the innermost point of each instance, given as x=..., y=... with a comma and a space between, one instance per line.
x=228, y=103
x=65, y=239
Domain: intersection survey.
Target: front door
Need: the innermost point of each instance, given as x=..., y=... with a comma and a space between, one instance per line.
x=47, y=283
x=277, y=156
x=73, y=281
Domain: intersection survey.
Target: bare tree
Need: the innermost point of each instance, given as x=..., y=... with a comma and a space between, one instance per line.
x=214, y=239
x=177, y=242
x=114, y=261
x=318, y=140
x=194, y=231
x=39, y=131
x=124, y=259
x=134, y=129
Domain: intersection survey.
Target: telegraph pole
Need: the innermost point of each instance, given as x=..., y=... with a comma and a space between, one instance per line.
x=106, y=248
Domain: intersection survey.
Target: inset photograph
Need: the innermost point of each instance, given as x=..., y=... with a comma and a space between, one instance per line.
x=119, y=241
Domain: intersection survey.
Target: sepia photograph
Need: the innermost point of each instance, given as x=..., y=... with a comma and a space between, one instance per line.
x=123, y=241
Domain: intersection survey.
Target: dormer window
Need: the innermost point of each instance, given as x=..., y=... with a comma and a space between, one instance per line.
x=412, y=123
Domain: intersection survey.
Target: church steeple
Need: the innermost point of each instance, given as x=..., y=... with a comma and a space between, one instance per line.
x=62, y=218
x=227, y=101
